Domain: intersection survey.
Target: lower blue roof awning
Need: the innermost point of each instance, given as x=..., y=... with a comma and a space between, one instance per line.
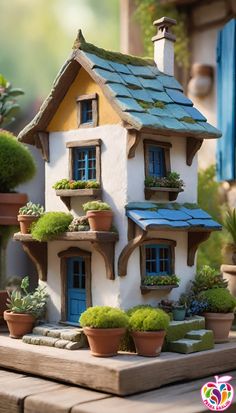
x=185, y=217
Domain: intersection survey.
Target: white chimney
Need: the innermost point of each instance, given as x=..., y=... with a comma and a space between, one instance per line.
x=164, y=45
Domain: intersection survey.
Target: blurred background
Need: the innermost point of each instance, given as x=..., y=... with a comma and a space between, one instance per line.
x=36, y=36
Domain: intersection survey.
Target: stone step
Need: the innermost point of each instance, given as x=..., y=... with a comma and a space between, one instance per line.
x=196, y=340
x=57, y=331
x=54, y=335
x=40, y=340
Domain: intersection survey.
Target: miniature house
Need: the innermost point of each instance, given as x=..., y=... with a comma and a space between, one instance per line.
x=119, y=119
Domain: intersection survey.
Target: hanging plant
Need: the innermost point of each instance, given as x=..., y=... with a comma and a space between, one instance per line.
x=147, y=11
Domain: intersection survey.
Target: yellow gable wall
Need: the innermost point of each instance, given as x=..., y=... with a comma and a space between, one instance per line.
x=65, y=117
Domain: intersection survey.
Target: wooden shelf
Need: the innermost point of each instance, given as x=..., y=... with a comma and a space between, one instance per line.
x=149, y=288
x=103, y=242
x=172, y=192
x=67, y=194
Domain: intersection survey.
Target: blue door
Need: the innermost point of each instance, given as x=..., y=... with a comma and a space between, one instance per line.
x=76, y=288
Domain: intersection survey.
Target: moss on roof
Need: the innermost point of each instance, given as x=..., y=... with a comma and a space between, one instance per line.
x=149, y=105
x=187, y=119
x=81, y=44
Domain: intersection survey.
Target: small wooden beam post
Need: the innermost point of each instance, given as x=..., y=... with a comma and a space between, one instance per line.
x=128, y=249
x=194, y=240
x=192, y=147
x=132, y=142
x=107, y=250
x=37, y=251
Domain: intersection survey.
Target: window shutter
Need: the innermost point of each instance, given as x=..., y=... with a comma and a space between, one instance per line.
x=226, y=101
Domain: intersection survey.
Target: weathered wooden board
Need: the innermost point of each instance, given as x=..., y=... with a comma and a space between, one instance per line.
x=60, y=401
x=13, y=393
x=184, y=398
x=121, y=375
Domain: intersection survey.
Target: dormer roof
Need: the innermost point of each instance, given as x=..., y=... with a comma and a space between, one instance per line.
x=143, y=97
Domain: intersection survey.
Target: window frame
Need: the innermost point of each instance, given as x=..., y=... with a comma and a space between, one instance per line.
x=165, y=146
x=74, y=252
x=82, y=98
x=158, y=242
x=85, y=144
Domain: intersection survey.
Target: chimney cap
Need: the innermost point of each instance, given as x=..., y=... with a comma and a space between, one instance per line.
x=164, y=29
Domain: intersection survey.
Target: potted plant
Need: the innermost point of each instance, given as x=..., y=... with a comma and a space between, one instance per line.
x=12, y=284
x=28, y=214
x=104, y=327
x=170, y=183
x=159, y=282
x=179, y=310
x=148, y=328
x=219, y=313
x=99, y=215
x=16, y=166
x=24, y=308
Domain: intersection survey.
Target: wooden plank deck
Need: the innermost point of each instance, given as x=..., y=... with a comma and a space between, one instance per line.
x=122, y=375
x=34, y=395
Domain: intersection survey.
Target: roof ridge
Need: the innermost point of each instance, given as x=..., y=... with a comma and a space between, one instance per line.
x=80, y=43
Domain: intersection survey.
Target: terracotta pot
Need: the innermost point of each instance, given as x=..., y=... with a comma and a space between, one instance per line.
x=104, y=342
x=25, y=222
x=220, y=324
x=100, y=220
x=148, y=343
x=9, y=207
x=3, y=304
x=19, y=324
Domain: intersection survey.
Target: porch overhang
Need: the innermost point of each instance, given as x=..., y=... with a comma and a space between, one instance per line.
x=147, y=218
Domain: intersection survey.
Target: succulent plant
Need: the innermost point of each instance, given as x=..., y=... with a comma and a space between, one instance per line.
x=96, y=206
x=24, y=302
x=79, y=224
x=35, y=210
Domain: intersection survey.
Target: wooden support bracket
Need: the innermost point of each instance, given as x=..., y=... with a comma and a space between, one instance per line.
x=107, y=250
x=37, y=251
x=194, y=240
x=132, y=142
x=128, y=249
x=42, y=142
x=192, y=147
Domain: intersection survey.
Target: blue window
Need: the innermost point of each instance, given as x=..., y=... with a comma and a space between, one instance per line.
x=158, y=259
x=156, y=161
x=86, y=111
x=84, y=163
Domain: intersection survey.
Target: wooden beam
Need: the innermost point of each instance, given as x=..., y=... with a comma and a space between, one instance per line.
x=194, y=240
x=133, y=139
x=128, y=249
x=87, y=142
x=192, y=147
x=37, y=251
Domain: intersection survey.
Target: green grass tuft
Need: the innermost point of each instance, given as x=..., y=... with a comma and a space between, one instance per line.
x=50, y=225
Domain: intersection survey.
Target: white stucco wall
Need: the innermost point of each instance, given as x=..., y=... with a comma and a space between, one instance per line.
x=123, y=181
x=114, y=179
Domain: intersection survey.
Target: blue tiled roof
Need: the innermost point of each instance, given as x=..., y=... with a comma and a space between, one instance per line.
x=148, y=88
x=156, y=100
x=151, y=216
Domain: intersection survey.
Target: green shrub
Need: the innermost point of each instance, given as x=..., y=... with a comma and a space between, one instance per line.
x=229, y=222
x=219, y=300
x=104, y=317
x=96, y=206
x=149, y=319
x=206, y=279
x=132, y=310
x=16, y=162
x=161, y=280
x=50, y=225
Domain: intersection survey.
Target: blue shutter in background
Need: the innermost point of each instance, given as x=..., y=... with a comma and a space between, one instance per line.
x=226, y=101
